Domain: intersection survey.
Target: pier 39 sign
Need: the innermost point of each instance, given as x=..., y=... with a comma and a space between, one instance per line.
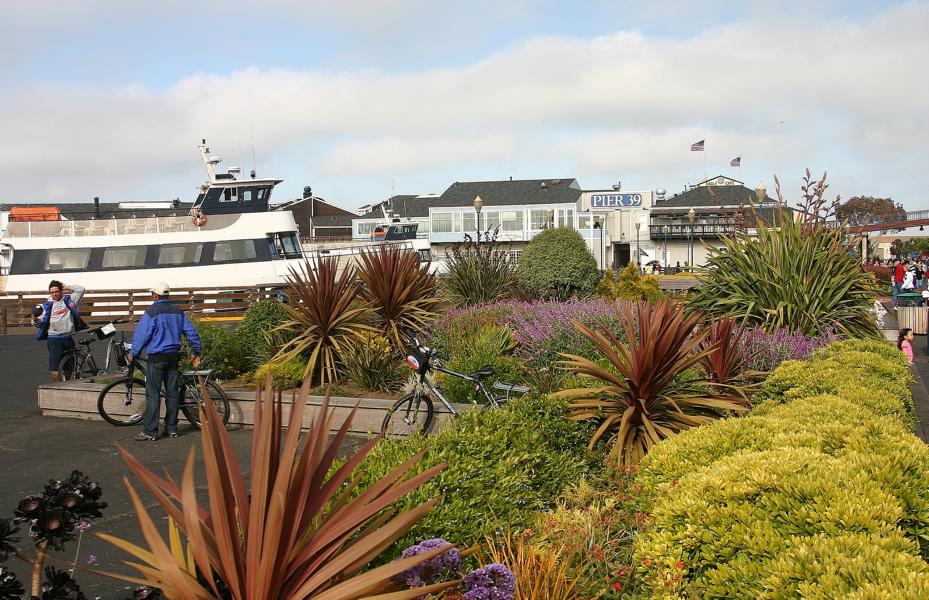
x=616, y=200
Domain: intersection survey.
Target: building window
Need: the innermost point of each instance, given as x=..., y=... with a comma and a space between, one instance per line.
x=511, y=220
x=180, y=254
x=583, y=222
x=234, y=250
x=566, y=217
x=62, y=260
x=122, y=258
x=467, y=222
x=490, y=221
x=514, y=257
x=538, y=219
x=442, y=222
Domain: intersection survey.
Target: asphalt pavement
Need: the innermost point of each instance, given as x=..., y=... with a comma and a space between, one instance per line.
x=34, y=449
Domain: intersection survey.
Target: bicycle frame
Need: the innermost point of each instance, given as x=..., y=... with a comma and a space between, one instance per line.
x=434, y=365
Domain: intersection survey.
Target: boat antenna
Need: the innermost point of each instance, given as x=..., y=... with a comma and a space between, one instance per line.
x=254, y=164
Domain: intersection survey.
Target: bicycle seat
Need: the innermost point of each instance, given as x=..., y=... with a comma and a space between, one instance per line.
x=511, y=388
x=85, y=342
x=201, y=372
x=482, y=372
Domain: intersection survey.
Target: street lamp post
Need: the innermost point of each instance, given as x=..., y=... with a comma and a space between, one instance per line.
x=667, y=263
x=638, y=257
x=478, y=205
x=599, y=225
x=691, y=216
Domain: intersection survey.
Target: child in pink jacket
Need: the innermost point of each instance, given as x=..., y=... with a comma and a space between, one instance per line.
x=905, y=343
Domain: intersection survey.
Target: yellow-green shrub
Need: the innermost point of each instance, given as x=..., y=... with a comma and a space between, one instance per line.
x=285, y=375
x=734, y=522
x=882, y=348
x=879, y=383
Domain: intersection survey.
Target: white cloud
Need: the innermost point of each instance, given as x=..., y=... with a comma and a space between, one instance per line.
x=851, y=97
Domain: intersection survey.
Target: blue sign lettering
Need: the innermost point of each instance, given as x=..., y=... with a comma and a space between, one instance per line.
x=615, y=200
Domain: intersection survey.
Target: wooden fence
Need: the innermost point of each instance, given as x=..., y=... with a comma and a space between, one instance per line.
x=102, y=306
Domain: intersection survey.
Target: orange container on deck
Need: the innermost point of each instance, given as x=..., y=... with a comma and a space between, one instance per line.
x=21, y=214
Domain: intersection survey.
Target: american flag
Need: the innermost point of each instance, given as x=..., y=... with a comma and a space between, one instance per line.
x=698, y=147
x=736, y=162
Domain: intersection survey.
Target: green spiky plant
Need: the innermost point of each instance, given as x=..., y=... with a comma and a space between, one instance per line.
x=400, y=289
x=297, y=529
x=478, y=272
x=796, y=274
x=327, y=314
x=637, y=399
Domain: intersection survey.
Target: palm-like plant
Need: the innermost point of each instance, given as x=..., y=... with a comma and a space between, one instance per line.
x=327, y=313
x=478, y=272
x=296, y=533
x=797, y=275
x=637, y=399
x=400, y=289
x=724, y=365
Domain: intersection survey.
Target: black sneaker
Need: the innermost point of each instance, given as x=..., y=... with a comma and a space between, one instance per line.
x=144, y=437
x=171, y=434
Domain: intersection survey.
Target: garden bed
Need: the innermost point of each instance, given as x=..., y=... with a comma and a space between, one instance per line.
x=78, y=399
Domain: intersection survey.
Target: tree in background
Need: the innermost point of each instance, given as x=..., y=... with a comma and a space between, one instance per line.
x=917, y=245
x=860, y=210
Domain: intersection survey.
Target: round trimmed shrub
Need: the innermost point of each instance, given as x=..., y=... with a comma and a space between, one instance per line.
x=882, y=348
x=557, y=264
x=284, y=375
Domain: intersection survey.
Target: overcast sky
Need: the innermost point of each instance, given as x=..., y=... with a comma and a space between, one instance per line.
x=364, y=98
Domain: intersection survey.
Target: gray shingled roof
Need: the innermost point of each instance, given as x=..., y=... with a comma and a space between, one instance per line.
x=85, y=210
x=503, y=193
x=725, y=195
x=492, y=193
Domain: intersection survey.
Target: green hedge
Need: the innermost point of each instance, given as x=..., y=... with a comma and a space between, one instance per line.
x=811, y=496
x=504, y=465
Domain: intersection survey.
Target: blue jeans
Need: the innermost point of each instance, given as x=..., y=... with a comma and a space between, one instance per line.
x=159, y=373
x=896, y=292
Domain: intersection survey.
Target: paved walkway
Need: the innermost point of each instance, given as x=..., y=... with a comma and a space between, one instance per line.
x=34, y=449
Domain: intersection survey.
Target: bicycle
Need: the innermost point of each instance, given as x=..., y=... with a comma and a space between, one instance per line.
x=414, y=412
x=79, y=362
x=122, y=402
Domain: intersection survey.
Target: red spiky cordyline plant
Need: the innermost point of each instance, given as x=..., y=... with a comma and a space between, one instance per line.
x=400, y=289
x=296, y=533
x=637, y=400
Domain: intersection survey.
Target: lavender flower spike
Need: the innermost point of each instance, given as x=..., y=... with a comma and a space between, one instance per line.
x=491, y=582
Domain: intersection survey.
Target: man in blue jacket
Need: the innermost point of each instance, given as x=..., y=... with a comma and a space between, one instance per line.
x=159, y=331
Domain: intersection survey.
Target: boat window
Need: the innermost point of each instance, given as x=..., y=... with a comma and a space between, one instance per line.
x=262, y=194
x=121, y=258
x=180, y=254
x=247, y=194
x=290, y=244
x=234, y=250
x=229, y=195
x=62, y=260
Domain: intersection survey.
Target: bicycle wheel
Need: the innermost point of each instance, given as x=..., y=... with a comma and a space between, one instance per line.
x=67, y=368
x=191, y=405
x=122, y=402
x=410, y=415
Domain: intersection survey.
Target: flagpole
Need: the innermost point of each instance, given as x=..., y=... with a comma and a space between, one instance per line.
x=704, y=161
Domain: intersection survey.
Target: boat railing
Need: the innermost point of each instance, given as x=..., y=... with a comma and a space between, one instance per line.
x=108, y=227
x=349, y=247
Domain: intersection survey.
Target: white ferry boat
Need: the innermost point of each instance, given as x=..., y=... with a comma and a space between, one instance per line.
x=230, y=238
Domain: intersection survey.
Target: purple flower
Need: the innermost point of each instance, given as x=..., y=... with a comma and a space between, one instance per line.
x=492, y=582
x=92, y=559
x=765, y=351
x=434, y=570
x=84, y=526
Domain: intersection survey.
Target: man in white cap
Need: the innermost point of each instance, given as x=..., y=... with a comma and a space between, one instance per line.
x=159, y=331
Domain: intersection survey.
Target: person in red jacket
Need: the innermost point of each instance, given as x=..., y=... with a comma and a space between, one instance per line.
x=899, y=271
